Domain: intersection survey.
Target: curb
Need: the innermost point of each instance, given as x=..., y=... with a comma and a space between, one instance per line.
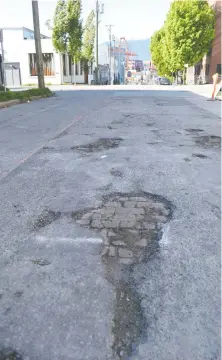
x=5, y=104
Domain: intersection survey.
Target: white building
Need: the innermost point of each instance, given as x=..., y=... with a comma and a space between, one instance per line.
x=20, y=60
x=117, y=61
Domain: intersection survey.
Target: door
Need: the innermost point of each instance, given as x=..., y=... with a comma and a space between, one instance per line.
x=12, y=74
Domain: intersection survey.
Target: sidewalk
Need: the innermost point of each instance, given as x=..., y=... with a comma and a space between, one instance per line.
x=203, y=90
x=204, y=93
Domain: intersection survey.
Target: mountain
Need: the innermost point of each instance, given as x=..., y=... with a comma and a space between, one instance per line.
x=141, y=48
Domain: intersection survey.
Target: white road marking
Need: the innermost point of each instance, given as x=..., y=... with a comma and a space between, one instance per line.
x=165, y=238
x=74, y=240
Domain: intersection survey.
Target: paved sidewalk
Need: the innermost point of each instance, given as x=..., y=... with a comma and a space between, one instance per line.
x=203, y=94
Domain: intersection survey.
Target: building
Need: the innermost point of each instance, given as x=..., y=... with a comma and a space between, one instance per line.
x=116, y=62
x=215, y=54
x=20, y=60
x=211, y=62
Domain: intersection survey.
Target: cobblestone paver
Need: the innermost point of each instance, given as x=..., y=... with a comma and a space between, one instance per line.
x=129, y=225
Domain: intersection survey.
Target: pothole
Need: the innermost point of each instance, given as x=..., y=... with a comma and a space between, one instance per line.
x=201, y=156
x=128, y=321
x=41, y=262
x=195, y=131
x=208, y=141
x=116, y=173
x=8, y=354
x=99, y=145
x=130, y=225
x=45, y=218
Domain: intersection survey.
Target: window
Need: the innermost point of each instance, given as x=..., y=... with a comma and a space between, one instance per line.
x=48, y=64
x=81, y=68
x=64, y=64
x=28, y=34
x=218, y=69
x=197, y=69
x=91, y=68
x=70, y=65
x=77, y=69
x=207, y=69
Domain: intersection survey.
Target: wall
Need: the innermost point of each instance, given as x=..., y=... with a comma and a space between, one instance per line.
x=17, y=50
x=28, y=47
x=67, y=78
x=216, y=46
x=13, y=39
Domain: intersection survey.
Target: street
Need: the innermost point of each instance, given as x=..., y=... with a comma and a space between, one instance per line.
x=110, y=226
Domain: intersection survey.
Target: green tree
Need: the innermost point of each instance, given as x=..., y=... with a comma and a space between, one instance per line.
x=189, y=31
x=59, y=27
x=74, y=28
x=158, y=48
x=67, y=28
x=89, y=33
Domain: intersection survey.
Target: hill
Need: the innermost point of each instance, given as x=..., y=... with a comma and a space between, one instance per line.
x=141, y=47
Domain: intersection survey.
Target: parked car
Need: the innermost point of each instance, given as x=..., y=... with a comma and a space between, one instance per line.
x=165, y=81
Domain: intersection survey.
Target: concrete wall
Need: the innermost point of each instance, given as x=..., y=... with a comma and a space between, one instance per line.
x=17, y=50
x=29, y=48
x=68, y=78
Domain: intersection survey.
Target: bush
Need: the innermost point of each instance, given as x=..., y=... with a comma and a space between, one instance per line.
x=25, y=95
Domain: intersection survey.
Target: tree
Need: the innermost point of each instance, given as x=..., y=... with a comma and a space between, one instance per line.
x=67, y=28
x=74, y=28
x=89, y=33
x=159, y=52
x=186, y=36
x=189, y=30
x=59, y=28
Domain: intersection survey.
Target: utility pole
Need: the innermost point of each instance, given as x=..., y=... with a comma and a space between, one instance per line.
x=110, y=47
x=97, y=41
x=3, y=59
x=38, y=48
x=98, y=11
x=114, y=57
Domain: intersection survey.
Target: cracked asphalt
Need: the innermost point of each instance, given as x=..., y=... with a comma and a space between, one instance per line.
x=110, y=226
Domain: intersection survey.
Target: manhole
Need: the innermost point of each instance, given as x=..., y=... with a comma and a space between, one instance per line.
x=130, y=225
x=99, y=145
x=8, y=354
x=45, y=218
x=208, y=141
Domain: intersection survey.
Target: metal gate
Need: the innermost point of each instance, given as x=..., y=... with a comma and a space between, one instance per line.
x=12, y=74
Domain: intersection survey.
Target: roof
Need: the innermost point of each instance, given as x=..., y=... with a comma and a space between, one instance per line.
x=23, y=28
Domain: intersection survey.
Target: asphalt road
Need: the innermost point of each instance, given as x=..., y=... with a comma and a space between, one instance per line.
x=61, y=296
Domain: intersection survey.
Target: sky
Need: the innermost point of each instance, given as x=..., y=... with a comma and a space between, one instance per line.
x=130, y=19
